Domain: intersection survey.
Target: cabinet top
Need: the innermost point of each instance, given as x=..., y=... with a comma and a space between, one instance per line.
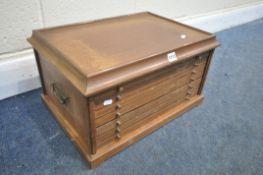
x=109, y=45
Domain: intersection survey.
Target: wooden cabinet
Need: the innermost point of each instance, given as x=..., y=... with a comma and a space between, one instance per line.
x=111, y=82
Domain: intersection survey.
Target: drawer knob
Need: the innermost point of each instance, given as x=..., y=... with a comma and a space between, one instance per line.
x=118, y=106
x=118, y=97
x=118, y=122
x=118, y=129
x=196, y=64
x=118, y=136
x=118, y=114
x=120, y=89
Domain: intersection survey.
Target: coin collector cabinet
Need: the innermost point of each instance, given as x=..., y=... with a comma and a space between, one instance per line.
x=111, y=82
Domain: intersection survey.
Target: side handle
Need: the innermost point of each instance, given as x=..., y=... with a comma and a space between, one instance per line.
x=59, y=94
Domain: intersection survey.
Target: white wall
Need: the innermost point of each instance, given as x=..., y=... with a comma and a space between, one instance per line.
x=18, y=71
x=19, y=17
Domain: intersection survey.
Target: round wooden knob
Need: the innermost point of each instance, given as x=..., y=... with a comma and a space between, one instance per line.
x=118, y=114
x=118, y=122
x=193, y=71
x=118, y=97
x=118, y=129
x=118, y=106
x=120, y=89
x=118, y=136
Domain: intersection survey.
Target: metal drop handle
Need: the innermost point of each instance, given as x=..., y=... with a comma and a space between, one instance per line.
x=60, y=96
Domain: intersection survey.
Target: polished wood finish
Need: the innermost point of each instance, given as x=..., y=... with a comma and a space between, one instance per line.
x=143, y=98
x=109, y=82
x=142, y=88
x=119, y=49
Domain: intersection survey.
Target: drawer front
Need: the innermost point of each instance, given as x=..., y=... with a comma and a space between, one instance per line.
x=125, y=108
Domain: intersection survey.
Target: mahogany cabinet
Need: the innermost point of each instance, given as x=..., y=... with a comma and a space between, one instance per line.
x=111, y=82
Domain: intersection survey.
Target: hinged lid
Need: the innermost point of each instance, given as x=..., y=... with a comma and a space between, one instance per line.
x=101, y=54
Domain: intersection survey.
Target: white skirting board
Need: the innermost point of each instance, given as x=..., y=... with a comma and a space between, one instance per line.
x=18, y=71
x=227, y=18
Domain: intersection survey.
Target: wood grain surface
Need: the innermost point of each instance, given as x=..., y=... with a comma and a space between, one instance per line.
x=109, y=82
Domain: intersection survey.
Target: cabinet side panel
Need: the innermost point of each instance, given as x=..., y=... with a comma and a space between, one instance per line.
x=68, y=99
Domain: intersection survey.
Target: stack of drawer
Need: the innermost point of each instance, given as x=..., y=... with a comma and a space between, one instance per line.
x=135, y=103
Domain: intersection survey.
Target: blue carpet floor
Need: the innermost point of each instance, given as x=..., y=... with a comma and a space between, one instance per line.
x=224, y=136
